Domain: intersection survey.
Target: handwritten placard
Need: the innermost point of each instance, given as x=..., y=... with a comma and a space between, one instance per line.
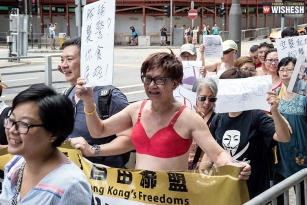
x=213, y=46
x=190, y=73
x=235, y=95
x=298, y=81
x=185, y=96
x=291, y=47
x=97, y=53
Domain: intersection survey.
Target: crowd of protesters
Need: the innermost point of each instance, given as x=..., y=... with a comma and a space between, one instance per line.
x=157, y=127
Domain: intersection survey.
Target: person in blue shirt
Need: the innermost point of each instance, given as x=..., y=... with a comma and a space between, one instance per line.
x=215, y=30
x=134, y=35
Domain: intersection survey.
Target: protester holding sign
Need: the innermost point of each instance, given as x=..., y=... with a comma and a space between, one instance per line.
x=291, y=155
x=80, y=137
x=247, y=134
x=40, y=173
x=161, y=134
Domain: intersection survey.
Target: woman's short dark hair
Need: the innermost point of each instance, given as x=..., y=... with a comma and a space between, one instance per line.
x=234, y=73
x=285, y=61
x=55, y=111
x=168, y=62
x=271, y=50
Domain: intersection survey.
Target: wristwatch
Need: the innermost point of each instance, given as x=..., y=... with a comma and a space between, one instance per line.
x=96, y=149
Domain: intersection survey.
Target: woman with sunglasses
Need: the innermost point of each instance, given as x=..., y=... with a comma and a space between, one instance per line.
x=291, y=156
x=246, y=64
x=246, y=135
x=39, y=173
x=163, y=128
x=206, y=90
x=271, y=62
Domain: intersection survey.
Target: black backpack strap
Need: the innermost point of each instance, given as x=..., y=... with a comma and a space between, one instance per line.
x=4, y=113
x=68, y=90
x=104, y=100
x=199, y=150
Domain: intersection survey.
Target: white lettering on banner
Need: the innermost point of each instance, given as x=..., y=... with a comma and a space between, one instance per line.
x=266, y=9
x=163, y=199
x=286, y=9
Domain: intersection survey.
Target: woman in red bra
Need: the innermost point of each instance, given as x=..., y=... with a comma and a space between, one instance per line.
x=163, y=128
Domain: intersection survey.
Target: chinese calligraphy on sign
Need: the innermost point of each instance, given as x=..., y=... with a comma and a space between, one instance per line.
x=97, y=56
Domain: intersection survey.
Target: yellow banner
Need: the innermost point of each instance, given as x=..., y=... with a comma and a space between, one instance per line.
x=122, y=186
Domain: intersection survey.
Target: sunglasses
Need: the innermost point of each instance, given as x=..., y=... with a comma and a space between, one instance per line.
x=203, y=98
x=227, y=51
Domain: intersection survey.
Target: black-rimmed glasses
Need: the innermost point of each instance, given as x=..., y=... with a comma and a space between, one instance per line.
x=157, y=80
x=203, y=98
x=21, y=127
x=270, y=61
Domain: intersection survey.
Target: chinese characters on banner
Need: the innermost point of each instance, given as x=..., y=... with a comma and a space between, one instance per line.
x=97, y=53
x=114, y=186
x=291, y=47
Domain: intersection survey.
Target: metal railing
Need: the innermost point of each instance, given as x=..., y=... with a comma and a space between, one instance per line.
x=38, y=40
x=48, y=69
x=283, y=187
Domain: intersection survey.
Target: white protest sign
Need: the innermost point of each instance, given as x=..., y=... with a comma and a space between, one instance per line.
x=213, y=46
x=185, y=96
x=235, y=95
x=297, y=82
x=291, y=47
x=97, y=53
x=190, y=73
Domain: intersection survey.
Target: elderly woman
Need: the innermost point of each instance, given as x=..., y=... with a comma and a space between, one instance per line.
x=246, y=135
x=163, y=128
x=206, y=90
x=246, y=63
x=40, y=173
x=271, y=62
x=292, y=155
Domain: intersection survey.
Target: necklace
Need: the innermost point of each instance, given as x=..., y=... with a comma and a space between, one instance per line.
x=18, y=185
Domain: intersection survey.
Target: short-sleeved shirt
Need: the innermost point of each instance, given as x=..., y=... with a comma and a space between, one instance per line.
x=246, y=138
x=163, y=31
x=118, y=103
x=65, y=185
x=51, y=32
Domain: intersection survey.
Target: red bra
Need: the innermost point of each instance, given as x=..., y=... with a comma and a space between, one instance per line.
x=165, y=143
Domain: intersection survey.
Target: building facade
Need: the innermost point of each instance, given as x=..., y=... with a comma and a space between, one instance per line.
x=145, y=15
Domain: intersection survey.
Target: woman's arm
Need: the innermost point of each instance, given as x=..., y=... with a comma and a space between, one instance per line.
x=282, y=133
x=101, y=128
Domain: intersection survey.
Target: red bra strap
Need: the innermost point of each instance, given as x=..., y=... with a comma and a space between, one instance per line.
x=177, y=115
x=141, y=108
